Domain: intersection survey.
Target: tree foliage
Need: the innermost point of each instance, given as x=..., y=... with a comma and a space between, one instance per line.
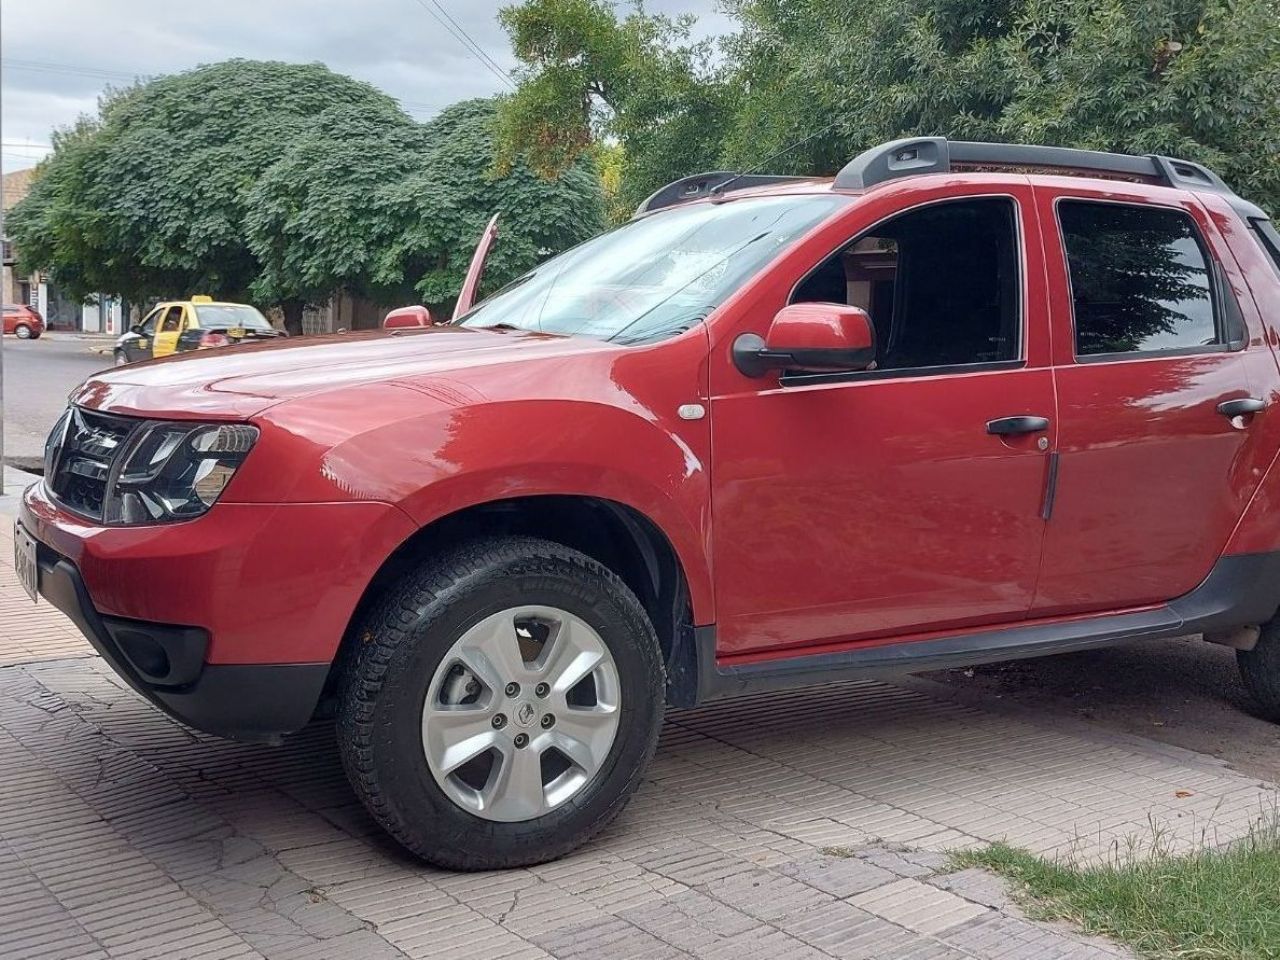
x=451, y=194
x=826, y=78
x=283, y=183
x=592, y=79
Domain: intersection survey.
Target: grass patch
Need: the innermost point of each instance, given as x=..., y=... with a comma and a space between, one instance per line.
x=1209, y=905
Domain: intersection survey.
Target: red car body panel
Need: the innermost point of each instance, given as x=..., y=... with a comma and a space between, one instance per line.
x=271, y=583
x=1141, y=440
x=818, y=517
x=787, y=520
x=439, y=419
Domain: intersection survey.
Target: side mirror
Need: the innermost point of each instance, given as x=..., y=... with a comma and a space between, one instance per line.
x=135, y=328
x=400, y=317
x=809, y=336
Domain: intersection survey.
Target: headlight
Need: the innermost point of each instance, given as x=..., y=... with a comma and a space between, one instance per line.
x=175, y=471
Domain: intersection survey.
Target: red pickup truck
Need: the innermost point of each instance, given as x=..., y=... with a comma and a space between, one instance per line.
x=961, y=403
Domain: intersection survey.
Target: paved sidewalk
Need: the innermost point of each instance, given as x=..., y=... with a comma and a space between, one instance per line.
x=803, y=825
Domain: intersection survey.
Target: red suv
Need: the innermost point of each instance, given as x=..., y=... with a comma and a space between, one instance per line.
x=22, y=322
x=772, y=432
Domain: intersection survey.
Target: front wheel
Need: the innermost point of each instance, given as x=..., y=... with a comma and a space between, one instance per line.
x=501, y=704
x=22, y=331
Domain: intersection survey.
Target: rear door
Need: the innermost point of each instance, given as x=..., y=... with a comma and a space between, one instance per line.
x=1157, y=362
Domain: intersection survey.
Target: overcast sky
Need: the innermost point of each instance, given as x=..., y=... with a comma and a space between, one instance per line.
x=57, y=55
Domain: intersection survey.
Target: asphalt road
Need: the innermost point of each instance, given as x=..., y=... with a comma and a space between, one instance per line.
x=38, y=375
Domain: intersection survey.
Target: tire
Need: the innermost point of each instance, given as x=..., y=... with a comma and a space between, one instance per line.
x=412, y=637
x=1260, y=670
x=22, y=331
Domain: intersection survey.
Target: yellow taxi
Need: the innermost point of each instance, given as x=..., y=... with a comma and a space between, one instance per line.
x=196, y=324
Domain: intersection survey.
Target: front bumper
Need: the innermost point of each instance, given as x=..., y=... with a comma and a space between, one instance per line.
x=166, y=665
x=229, y=622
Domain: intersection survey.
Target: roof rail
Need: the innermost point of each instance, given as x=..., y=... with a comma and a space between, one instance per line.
x=702, y=185
x=917, y=155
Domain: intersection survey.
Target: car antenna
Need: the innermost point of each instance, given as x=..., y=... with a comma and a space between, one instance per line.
x=719, y=188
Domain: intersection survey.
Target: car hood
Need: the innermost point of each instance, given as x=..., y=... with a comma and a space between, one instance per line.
x=239, y=382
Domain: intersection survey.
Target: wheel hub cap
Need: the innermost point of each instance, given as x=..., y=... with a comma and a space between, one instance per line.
x=512, y=757
x=526, y=713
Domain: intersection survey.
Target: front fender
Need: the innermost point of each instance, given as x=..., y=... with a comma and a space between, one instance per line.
x=433, y=455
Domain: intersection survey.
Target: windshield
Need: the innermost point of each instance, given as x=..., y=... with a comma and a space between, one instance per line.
x=231, y=315
x=655, y=277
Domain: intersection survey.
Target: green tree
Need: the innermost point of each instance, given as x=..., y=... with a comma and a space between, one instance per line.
x=283, y=183
x=316, y=219
x=150, y=198
x=825, y=79
x=432, y=218
x=593, y=80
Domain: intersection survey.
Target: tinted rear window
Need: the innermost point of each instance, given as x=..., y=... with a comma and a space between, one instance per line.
x=1140, y=279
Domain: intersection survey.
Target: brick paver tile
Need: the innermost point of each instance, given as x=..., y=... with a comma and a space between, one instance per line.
x=839, y=876
x=918, y=906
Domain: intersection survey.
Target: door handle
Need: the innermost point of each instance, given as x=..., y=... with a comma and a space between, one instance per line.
x=1241, y=406
x=1006, y=426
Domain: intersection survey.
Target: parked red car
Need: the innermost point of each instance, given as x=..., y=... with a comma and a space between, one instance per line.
x=23, y=322
x=772, y=432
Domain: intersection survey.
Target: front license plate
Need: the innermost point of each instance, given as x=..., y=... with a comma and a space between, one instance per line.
x=24, y=561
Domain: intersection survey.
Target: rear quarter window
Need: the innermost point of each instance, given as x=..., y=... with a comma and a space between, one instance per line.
x=1264, y=231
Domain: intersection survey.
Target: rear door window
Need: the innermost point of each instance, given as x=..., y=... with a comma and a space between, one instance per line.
x=1141, y=280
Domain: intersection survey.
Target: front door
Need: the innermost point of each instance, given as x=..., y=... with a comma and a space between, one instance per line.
x=1150, y=341
x=887, y=502
x=137, y=345
x=168, y=331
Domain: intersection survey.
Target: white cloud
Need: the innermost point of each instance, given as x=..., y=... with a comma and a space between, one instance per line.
x=58, y=55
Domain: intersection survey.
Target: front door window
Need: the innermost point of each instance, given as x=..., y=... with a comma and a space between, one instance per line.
x=940, y=284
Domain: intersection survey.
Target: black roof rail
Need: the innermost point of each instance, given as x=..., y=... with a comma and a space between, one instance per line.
x=702, y=185
x=917, y=155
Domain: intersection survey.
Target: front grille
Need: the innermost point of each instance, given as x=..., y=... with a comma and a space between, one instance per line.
x=79, y=456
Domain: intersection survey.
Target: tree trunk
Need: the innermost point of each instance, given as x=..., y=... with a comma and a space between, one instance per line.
x=292, y=310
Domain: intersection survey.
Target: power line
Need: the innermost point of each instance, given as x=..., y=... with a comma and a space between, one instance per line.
x=467, y=43
x=480, y=50
x=42, y=66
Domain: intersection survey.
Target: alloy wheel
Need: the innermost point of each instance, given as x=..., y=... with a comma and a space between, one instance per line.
x=521, y=713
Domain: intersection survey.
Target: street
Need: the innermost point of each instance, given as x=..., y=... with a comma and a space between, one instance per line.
x=38, y=375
